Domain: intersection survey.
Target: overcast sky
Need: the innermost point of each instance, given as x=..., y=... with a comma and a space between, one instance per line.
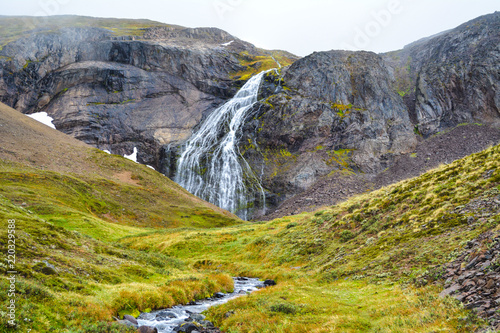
x=300, y=27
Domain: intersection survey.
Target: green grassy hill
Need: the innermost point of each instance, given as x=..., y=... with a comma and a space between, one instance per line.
x=69, y=183
x=360, y=266
x=98, y=236
x=71, y=203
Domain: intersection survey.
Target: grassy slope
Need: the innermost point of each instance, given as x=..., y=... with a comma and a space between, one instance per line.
x=71, y=203
x=254, y=64
x=346, y=268
x=95, y=279
x=352, y=267
x=71, y=184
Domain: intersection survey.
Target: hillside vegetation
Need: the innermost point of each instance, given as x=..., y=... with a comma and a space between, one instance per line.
x=71, y=203
x=361, y=266
x=65, y=181
x=99, y=236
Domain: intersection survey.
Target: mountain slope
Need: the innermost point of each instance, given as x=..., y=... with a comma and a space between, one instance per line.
x=327, y=112
x=355, y=267
x=125, y=84
x=335, y=123
x=71, y=203
x=69, y=282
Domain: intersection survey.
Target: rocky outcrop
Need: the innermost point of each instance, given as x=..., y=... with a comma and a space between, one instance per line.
x=328, y=112
x=453, y=77
x=359, y=113
x=439, y=149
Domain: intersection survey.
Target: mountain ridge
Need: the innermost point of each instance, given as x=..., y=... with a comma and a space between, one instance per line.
x=120, y=92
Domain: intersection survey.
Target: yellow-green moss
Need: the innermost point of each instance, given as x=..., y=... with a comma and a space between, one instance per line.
x=256, y=64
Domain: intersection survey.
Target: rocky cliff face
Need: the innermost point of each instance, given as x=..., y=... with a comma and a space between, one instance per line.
x=453, y=77
x=335, y=115
x=119, y=92
x=328, y=112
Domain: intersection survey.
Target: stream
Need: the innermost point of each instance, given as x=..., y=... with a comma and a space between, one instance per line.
x=167, y=319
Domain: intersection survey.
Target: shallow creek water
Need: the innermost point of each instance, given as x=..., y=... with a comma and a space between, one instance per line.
x=165, y=320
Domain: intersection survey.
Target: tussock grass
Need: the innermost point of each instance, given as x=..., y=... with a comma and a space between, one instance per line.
x=303, y=305
x=95, y=280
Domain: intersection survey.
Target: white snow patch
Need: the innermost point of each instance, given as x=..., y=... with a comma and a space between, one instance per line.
x=132, y=156
x=43, y=117
x=228, y=43
x=149, y=166
x=106, y=151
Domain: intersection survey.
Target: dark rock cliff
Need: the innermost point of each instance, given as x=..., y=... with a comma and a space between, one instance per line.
x=329, y=112
x=339, y=115
x=342, y=118
x=453, y=77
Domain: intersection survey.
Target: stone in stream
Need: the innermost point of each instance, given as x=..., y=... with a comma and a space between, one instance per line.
x=131, y=319
x=188, y=328
x=219, y=295
x=126, y=323
x=197, y=317
x=147, y=329
x=163, y=315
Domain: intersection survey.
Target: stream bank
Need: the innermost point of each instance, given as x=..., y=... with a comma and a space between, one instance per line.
x=188, y=318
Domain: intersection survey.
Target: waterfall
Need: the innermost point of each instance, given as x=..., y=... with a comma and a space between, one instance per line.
x=211, y=166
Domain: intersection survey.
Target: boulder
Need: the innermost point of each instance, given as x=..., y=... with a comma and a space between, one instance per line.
x=219, y=295
x=147, y=329
x=131, y=319
x=46, y=268
x=197, y=317
x=126, y=323
x=188, y=328
x=269, y=283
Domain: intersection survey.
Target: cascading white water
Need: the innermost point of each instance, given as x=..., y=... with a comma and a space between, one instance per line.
x=211, y=166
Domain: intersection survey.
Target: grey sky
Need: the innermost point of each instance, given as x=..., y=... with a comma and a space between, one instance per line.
x=300, y=27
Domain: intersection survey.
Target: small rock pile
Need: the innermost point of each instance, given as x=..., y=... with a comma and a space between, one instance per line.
x=481, y=209
x=474, y=278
